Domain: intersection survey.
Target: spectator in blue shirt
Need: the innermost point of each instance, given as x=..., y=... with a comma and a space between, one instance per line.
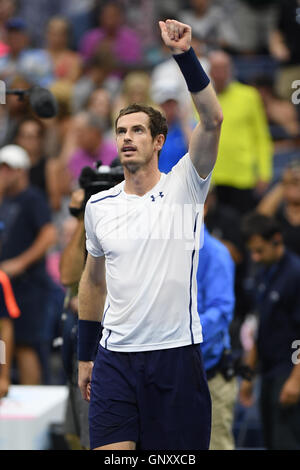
x=277, y=301
x=27, y=235
x=215, y=278
x=180, y=124
x=33, y=64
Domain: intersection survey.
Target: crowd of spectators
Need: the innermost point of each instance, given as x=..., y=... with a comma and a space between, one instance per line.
x=99, y=56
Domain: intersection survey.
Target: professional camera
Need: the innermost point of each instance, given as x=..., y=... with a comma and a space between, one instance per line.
x=94, y=180
x=100, y=179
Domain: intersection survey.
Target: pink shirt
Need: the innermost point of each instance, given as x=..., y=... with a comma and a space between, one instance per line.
x=126, y=46
x=80, y=158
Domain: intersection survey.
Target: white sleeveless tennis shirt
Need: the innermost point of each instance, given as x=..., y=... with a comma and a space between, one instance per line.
x=150, y=244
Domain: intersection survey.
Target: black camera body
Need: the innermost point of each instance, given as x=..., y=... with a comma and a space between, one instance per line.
x=94, y=180
x=100, y=179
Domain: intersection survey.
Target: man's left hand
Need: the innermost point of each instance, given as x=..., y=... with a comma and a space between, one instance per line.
x=290, y=392
x=13, y=267
x=177, y=36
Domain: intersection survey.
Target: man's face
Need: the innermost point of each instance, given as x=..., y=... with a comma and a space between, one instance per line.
x=88, y=138
x=8, y=177
x=17, y=41
x=171, y=110
x=135, y=143
x=220, y=70
x=262, y=251
x=29, y=137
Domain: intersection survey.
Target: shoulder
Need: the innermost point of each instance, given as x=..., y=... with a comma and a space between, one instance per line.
x=33, y=193
x=109, y=194
x=292, y=261
x=246, y=90
x=36, y=55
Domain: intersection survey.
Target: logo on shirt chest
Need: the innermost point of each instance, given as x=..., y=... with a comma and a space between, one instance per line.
x=160, y=195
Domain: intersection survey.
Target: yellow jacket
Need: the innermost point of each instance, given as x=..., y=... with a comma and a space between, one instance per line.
x=245, y=150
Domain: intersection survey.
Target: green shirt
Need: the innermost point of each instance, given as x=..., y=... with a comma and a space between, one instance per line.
x=245, y=149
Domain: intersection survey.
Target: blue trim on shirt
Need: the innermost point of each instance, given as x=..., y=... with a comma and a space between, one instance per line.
x=107, y=338
x=191, y=283
x=105, y=314
x=105, y=197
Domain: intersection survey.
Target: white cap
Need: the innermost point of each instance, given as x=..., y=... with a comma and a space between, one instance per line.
x=15, y=157
x=164, y=91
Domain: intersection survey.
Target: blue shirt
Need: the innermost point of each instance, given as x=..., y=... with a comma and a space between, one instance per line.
x=34, y=64
x=215, y=278
x=174, y=148
x=277, y=297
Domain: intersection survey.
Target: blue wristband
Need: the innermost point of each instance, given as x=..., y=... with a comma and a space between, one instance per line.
x=88, y=339
x=193, y=72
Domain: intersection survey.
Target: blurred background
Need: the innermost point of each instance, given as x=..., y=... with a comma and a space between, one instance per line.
x=97, y=57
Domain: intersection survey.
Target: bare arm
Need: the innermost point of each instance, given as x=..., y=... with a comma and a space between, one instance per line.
x=290, y=392
x=277, y=46
x=73, y=256
x=204, y=142
x=271, y=201
x=44, y=240
x=203, y=146
x=246, y=387
x=92, y=291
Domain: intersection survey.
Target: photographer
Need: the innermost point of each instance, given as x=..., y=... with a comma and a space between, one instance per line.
x=71, y=266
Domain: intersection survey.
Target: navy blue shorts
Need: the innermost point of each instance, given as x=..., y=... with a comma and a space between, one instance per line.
x=158, y=399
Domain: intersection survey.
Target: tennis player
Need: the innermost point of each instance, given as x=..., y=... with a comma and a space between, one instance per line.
x=146, y=385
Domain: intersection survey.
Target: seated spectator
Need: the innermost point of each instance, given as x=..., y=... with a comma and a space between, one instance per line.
x=244, y=167
x=141, y=18
x=27, y=235
x=36, y=16
x=80, y=14
x=210, y=23
x=97, y=74
x=34, y=64
x=66, y=63
x=284, y=46
x=281, y=113
x=253, y=21
x=215, y=301
x=91, y=146
x=283, y=203
x=100, y=104
x=180, y=126
x=223, y=222
x=7, y=10
x=276, y=299
x=30, y=136
x=113, y=37
x=136, y=88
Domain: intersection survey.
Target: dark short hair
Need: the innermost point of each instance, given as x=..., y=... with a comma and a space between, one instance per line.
x=157, y=122
x=261, y=225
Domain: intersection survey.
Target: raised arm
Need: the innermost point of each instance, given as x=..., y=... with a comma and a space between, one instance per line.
x=203, y=146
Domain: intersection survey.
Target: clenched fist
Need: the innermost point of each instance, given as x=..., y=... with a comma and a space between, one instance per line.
x=177, y=36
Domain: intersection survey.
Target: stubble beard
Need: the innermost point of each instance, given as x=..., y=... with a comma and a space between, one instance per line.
x=132, y=168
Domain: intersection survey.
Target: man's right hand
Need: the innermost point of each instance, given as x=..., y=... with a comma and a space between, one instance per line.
x=246, y=393
x=84, y=378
